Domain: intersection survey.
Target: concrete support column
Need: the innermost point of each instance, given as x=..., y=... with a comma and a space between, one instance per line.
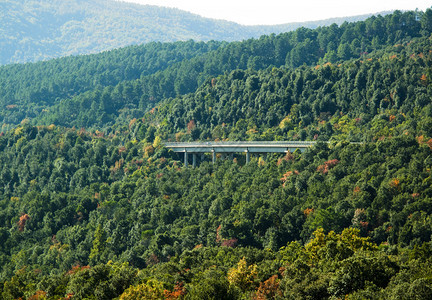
x=213, y=156
x=194, y=160
x=185, y=158
x=247, y=156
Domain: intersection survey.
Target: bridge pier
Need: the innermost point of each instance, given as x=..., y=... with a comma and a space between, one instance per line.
x=247, y=156
x=194, y=160
x=185, y=158
x=213, y=156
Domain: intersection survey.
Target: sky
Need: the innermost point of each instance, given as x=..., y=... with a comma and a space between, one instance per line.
x=271, y=12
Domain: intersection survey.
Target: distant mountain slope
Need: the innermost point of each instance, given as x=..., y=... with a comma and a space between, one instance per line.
x=35, y=30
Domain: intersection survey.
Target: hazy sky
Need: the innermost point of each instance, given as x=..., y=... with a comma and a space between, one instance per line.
x=254, y=12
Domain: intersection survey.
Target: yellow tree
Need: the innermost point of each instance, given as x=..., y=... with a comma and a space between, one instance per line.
x=243, y=276
x=150, y=290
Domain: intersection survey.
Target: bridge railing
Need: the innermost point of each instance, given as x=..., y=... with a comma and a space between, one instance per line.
x=241, y=144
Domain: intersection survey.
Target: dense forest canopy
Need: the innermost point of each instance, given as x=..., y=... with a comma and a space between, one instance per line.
x=118, y=85
x=92, y=205
x=34, y=30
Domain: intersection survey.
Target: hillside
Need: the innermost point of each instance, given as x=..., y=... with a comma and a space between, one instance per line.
x=34, y=30
x=119, y=85
x=103, y=210
x=350, y=101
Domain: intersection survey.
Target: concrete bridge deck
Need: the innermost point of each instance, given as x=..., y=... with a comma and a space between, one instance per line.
x=236, y=147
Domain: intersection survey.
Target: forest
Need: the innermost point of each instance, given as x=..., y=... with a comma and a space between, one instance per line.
x=118, y=85
x=93, y=206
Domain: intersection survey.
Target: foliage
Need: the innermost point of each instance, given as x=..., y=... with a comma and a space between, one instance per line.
x=120, y=85
x=110, y=212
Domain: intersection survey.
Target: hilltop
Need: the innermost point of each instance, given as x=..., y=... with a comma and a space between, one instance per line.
x=34, y=30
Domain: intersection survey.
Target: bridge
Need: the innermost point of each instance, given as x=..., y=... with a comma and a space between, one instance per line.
x=248, y=148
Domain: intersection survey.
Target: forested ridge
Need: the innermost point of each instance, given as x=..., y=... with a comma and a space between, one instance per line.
x=94, y=206
x=135, y=79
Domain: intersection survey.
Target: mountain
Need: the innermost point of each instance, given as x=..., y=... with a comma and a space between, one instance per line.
x=94, y=206
x=35, y=30
x=115, y=86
